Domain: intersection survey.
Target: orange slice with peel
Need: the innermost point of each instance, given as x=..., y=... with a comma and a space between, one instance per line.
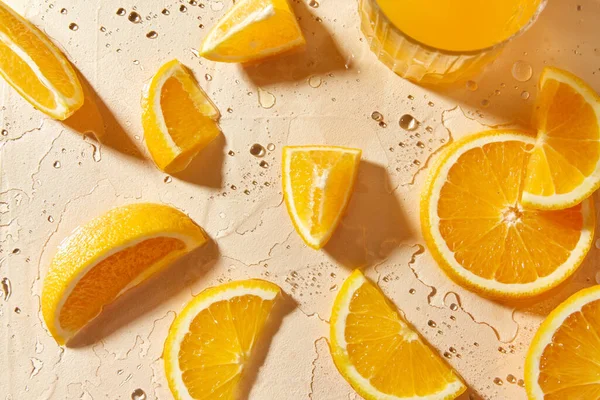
x=107, y=256
x=179, y=119
x=481, y=234
x=563, y=361
x=318, y=182
x=252, y=30
x=36, y=68
x=211, y=340
x=564, y=168
x=379, y=353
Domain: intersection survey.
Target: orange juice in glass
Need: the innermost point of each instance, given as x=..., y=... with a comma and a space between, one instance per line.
x=442, y=41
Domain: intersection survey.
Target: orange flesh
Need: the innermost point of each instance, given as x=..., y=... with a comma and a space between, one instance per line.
x=489, y=232
x=103, y=283
x=219, y=342
x=320, y=183
x=396, y=361
x=570, y=364
x=460, y=25
x=17, y=71
x=571, y=146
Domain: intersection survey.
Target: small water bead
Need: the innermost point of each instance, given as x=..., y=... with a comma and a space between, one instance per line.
x=498, y=381
x=410, y=97
x=510, y=378
x=4, y=132
x=16, y=251
x=497, y=92
x=183, y=8
x=102, y=29
x=522, y=71
x=231, y=153
x=454, y=306
x=452, y=350
x=431, y=323
x=267, y=184
x=377, y=116
x=429, y=129
x=138, y=394
x=431, y=104
x=6, y=288
x=502, y=350
x=471, y=86
x=447, y=355
x=208, y=77
x=271, y=147
x=382, y=124
x=525, y=95
x=408, y=122
x=136, y=62
x=121, y=12
x=266, y=99
x=233, y=187
x=412, y=291
x=229, y=110
x=152, y=35
x=313, y=3
x=421, y=145
x=17, y=310
x=485, y=103
x=50, y=219
x=257, y=150
x=264, y=164
x=417, y=162
x=73, y=26
x=246, y=192
x=134, y=17
x=64, y=11
x=476, y=344
x=193, y=2
x=521, y=382
x=165, y=12
x=167, y=179
x=56, y=164
x=402, y=144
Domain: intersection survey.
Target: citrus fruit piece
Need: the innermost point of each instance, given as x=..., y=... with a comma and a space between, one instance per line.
x=252, y=30
x=178, y=117
x=36, y=68
x=480, y=233
x=318, y=182
x=379, y=353
x=564, y=168
x=563, y=361
x=211, y=340
x=107, y=256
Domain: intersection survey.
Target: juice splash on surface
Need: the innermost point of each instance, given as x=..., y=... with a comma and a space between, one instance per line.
x=461, y=26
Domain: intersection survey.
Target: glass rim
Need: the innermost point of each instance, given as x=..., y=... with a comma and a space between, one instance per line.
x=495, y=46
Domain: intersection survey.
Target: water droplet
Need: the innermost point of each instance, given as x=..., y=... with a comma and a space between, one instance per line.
x=313, y=3
x=64, y=11
x=498, y=381
x=73, y=26
x=471, y=86
x=485, y=103
x=246, y=192
x=165, y=12
x=421, y=145
x=377, y=116
x=152, y=35
x=522, y=71
x=410, y=97
x=193, y=2
x=408, y=122
x=417, y=162
x=229, y=110
x=56, y=164
x=598, y=243
x=271, y=147
x=135, y=17
x=208, y=77
x=521, y=382
x=167, y=179
x=121, y=12
x=138, y=394
x=231, y=153
x=257, y=150
x=431, y=323
x=382, y=124
x=266, y=99
x=102, y=29
x=17, y=310
x=50, y=219
x=412, y=291
x=524, y=95
x=16, y=251
x=314, y=81
x=447, y=355
x=454, y=306
x=431, y=104
x=476, y=344
x=183, y=8
x=452, y=350
x=233, y=187
x=264, y=164
x=502, y=350
x=136, y=62
x=4, y=132
x=497, y=92
x=6, y=288
x=510, y=378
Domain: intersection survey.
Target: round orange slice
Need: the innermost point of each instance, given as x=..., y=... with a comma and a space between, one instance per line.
x=482, y=235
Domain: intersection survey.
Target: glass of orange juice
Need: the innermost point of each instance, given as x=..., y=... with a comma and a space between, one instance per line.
x=442, y=41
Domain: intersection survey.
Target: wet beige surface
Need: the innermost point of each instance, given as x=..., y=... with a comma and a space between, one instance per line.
x=54, y=179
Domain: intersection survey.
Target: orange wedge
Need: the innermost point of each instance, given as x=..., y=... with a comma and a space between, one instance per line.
x=563, y=361
x=318, y=182
x=380, y=354
x=211, y=340
x=252, y=30
x=482, y=235
x=564, y=168
x=178, y=117
x=109, y=255
x=36, y=68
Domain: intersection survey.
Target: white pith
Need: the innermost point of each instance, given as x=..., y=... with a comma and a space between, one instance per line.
x=590, y=183
x=305, y=231
x=514, y=289
x=183, y=321
x=343, y=309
